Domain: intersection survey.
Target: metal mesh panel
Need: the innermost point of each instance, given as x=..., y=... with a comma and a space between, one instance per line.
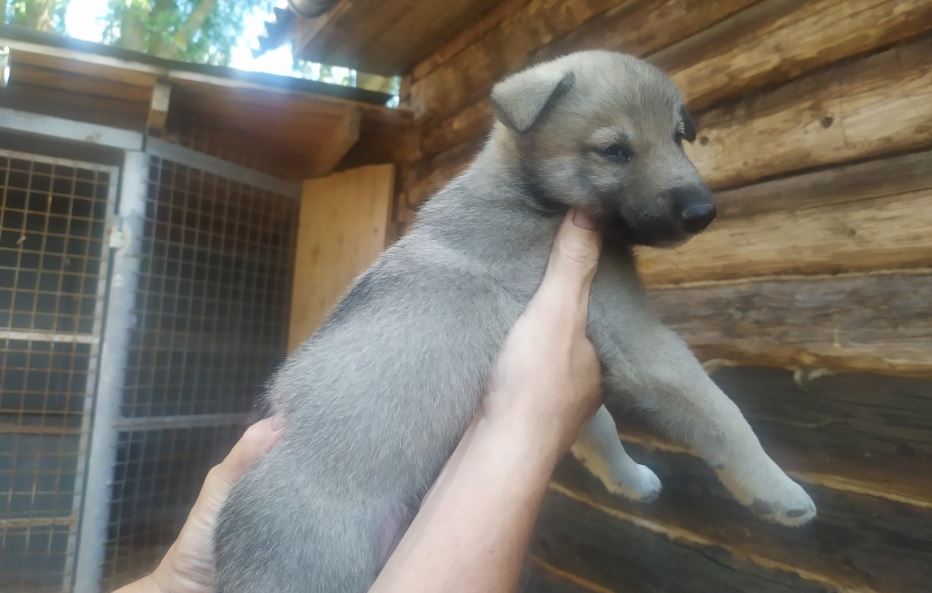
x=210, y=324
x=157, y=476
x=52, y=266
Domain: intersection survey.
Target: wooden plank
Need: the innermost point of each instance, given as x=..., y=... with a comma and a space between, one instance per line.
x=622, y=555
x=336, y=144
x=859, y=433
x=384, y=36
x=871, y=323
x=876, y=105
x=876, y=234
x=73, y=106
x=78, y=83
x=778, y=40
x=158, y=106
x=341, y=232
x=856, y=543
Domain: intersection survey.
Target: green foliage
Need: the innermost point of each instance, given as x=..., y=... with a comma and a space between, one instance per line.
x=43, y=15
x=202, y=31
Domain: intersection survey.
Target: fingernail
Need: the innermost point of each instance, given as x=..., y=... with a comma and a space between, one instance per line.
x=583, y=221
x=278, y=422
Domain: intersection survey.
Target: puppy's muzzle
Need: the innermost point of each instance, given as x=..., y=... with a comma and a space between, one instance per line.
x=693, y=203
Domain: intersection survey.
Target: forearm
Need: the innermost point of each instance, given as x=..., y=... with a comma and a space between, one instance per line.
x=473, y=529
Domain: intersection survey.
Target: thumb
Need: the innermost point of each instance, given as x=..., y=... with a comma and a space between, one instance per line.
x=574, y=257
x=255, y=442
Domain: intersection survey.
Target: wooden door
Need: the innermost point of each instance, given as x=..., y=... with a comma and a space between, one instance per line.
x=342, y=230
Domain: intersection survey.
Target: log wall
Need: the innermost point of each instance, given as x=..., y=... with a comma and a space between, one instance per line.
x=810, y=298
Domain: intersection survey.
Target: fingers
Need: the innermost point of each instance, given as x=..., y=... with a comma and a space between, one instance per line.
x=255, y=442
x=573, y=262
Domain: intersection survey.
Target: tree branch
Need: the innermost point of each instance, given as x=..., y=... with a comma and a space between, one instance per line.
x=193, y=23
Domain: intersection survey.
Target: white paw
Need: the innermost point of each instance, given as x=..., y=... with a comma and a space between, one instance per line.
x=640, y=485
x=770, y=494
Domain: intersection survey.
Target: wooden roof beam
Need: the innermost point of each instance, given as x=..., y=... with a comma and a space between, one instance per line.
x=334, y=147
x=158, y=107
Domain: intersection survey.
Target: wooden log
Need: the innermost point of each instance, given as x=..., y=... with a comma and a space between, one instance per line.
x=541, y=577
x=642, y=27
x=764, y=45
x=877, y=234
x=472, y=71
x=857, y=433
x=876, y=105
x=778, y=40
x=877, y=178
x=492, y=19
x=869, y=323
x=430, y=176
x=503, y=49
x=856, y=543
x=619, y=554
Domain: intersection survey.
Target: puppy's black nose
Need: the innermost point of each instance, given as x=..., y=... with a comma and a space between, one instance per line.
x=696, y=217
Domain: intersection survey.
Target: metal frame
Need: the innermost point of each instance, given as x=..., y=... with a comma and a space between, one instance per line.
x=94, y=338
x=198, y=160
x=68, y=129
x=102, y=442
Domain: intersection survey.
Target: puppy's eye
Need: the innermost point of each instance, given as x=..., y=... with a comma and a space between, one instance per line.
x=616, y=152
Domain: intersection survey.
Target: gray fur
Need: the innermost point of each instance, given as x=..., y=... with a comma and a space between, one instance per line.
x=377, y=399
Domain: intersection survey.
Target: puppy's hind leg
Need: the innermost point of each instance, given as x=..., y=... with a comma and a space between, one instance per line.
x=601, y=452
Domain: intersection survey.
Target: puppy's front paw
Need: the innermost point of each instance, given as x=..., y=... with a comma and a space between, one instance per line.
x=639, y=484
x=770, y=494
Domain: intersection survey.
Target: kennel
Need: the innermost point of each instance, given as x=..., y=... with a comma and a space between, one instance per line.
x=147, y=249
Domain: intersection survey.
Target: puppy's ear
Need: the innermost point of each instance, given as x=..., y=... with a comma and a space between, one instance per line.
x=521, y=99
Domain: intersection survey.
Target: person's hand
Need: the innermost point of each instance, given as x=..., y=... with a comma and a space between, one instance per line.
x=543, y=388
x=188, y=566
x=546, y=378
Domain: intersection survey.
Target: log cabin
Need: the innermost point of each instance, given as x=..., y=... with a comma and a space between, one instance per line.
x=809, y=300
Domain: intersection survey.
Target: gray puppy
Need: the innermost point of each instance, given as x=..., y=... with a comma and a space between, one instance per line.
x=377, y=399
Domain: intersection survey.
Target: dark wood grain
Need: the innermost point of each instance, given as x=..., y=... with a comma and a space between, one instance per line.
x=878, y=178
x=857, y=542
x=858, y=433
x=620, y=555
x=876, y=323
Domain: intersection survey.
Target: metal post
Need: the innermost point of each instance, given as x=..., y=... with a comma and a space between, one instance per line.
x=117, y=323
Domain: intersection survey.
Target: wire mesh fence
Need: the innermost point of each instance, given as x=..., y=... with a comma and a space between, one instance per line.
x=209, y=301
x=53, y=261
x=209, y=324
